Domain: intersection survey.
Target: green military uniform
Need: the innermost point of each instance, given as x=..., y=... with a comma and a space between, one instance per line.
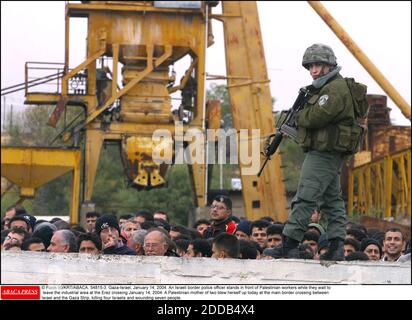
x=329, y=132
x=325, y=132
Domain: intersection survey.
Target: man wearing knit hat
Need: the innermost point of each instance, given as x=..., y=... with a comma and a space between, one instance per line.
x=243, y=230
x=108, y=230
x=372, y=249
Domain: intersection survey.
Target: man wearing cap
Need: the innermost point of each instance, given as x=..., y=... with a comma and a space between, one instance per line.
x=220, y=212
x=21, y=222
x=258, y=232
x=109, y=232
x=243, y=230
x=372, y=248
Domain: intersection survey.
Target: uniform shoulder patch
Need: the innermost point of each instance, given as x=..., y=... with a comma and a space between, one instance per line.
x=323, y=99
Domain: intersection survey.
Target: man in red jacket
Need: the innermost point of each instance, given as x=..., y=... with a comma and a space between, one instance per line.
x=220, y=214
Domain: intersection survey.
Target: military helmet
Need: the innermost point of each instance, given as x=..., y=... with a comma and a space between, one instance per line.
x=318, y=53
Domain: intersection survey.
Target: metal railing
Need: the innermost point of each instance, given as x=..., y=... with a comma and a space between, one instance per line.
x=382, y=188
x=41, y=78
x=38, y=73
x=35, y=74
x=48, y=75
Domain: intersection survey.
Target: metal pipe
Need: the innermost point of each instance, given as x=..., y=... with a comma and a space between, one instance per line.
x=66, y=41
x=362, y=58
x=204, y=108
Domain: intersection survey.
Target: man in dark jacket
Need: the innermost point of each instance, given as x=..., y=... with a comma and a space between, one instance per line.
x=220, y=214
x=109, y=231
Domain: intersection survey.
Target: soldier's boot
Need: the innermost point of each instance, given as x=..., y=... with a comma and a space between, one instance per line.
x=283, y=250
x=335, y=252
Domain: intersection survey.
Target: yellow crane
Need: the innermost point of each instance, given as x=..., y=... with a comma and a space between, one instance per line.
x=125, y=84
x=136, y=43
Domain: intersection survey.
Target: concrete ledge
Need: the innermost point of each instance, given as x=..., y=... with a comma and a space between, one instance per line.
x=73, y=268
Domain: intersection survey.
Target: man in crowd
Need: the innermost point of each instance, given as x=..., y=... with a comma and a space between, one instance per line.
x=137, y=241
x=127, y=228
x=89, y=243
x=350, y=245
x=247, y=249
x=201, y=225
x=220, y=213
x=33, y=244
x=160, y=214
x=91, y=218
x=123, y=218
x=372, y=249
x=15, y=237
x=63, y=241
x=243, y=230
x=393, y=244
x=108, y=230
x=275, y=236
x=258, y=232
x=311, y=238
x=10, y=213
x=155, y=243
x=199, y=248
x=21, y=222
x=143, y=216
x=225, y=246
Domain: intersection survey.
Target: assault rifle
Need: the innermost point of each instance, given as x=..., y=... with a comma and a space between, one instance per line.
x=286, y=125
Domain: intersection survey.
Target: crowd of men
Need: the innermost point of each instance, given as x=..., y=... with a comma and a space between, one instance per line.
x=222, y=236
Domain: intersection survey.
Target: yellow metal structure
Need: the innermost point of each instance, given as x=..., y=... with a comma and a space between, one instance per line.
x=127, y=78
x=142, y=168
x=251, y=103
x=141, y=41
x=31, y=167
x=382, y=188
x=362, y=58
x=146, y=40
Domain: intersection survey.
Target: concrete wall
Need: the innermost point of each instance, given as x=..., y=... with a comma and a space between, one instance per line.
x=51, y=268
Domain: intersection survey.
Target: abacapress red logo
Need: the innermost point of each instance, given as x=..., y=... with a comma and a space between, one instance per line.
x=20, y=292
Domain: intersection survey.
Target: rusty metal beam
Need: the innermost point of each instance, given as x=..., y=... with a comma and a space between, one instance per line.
x=362, y=58
x=251, y=103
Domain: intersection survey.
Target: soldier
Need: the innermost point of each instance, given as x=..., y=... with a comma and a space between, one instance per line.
x=327, y=131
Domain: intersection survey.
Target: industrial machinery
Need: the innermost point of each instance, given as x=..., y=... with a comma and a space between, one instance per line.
x=32, y=167
x=125, y=84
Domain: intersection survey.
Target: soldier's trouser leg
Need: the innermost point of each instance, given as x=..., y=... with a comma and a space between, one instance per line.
x=320, y=172
x=334, y=209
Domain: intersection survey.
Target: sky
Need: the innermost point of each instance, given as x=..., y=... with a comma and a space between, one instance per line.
x=34, y=31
